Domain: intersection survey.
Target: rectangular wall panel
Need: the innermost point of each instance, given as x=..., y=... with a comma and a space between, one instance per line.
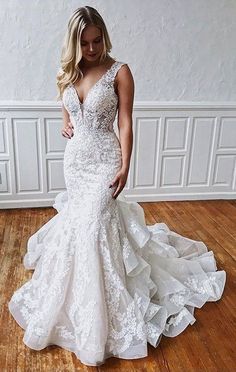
x=201, y=147
x=3, y=137
x=4, y=177
x=146, y=152
x=26, y=142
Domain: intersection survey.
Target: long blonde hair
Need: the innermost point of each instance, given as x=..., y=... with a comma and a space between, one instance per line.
x=71, y=50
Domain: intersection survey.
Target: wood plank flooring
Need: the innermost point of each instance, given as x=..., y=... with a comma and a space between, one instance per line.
x=207, y=345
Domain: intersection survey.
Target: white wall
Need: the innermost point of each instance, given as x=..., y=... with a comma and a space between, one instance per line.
x=178, y=50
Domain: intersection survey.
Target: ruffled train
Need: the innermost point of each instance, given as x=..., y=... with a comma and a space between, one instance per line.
x=120, y=307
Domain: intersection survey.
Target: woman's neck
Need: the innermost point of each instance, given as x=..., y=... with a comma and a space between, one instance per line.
x=88, y=64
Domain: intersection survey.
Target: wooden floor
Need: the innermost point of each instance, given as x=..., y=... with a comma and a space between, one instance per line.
x=207, y=345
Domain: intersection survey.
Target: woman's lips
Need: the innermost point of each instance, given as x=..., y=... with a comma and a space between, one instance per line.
x=92, y=55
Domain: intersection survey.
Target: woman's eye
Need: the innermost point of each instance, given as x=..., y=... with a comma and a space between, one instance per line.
x=96, y=42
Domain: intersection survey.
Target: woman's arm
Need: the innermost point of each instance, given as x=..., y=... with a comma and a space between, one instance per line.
x=125, y=91
x=67, y=130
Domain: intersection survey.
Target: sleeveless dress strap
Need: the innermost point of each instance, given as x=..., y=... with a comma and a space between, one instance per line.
x=114, y=69
x=118, y=65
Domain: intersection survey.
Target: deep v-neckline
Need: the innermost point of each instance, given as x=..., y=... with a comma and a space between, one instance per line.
x=92, y=87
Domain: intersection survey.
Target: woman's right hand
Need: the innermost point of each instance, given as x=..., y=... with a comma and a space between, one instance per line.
x=67, y=131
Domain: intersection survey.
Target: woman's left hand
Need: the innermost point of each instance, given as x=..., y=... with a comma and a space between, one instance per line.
x=120, y=178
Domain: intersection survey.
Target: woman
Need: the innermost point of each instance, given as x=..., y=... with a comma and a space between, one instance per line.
x=105, y=284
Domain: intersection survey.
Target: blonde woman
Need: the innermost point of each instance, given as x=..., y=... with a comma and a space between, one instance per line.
x=105, y=284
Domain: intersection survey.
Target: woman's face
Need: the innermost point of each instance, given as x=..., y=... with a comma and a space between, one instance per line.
x=91, y=43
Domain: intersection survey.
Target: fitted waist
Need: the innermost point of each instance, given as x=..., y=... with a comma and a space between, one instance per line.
x=97, y=137
x=95, y=133
x=92, y=126
x=93, y=149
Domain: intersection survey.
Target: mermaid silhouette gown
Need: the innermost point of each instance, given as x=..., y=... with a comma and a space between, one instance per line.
x=105, y=283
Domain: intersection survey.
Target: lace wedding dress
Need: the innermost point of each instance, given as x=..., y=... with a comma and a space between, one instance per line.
x=104, y=283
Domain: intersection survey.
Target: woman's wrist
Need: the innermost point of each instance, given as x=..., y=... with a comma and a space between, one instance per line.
x=125, y=168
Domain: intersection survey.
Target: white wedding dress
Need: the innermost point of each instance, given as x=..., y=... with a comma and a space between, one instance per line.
x=104, y=283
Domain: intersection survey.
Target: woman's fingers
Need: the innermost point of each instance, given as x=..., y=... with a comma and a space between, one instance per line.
x=70, y=124
x=67, y=131
x=117, y=190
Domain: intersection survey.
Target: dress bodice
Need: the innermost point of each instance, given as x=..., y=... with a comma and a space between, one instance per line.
x=99, y=108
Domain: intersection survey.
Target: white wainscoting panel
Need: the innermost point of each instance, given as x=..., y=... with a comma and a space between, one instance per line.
x=181, y=151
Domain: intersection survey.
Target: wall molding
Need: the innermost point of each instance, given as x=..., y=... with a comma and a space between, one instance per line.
x=182, y=151
x=11, y=105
